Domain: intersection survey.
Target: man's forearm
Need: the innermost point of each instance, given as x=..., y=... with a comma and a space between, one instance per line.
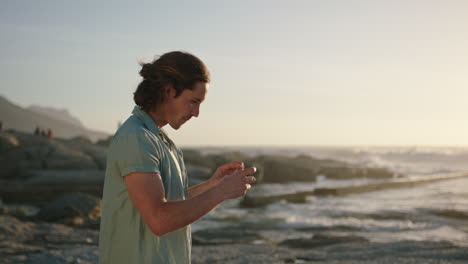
x=201, y=188
x=173, y=215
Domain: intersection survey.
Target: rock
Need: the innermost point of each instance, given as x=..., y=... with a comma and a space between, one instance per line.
x=70, y=206
x=23, y=212
x=226, y=235
x=105, y=142
x=81, y=140
x=380, y=173
x=58, y=234
x=226, y=157
x=198, y=172
x=4, y=211
x=98, y=153
x=240, y=254
x=320, y=240
x=281, y=169
x=7, y=142
x=43, y=185
x=61, y=156
x=194, y=157
x=258, y=201
x=46, y=243
x=28, y=242
x=451, y=213
x=15, y=248
x=266, y=193
x=12, y=229
x=350, y=172
x=306, y=168
x=35, y=152
x=404, y=252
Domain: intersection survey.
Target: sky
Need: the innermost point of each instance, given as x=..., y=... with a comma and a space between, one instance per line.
x=284, y=73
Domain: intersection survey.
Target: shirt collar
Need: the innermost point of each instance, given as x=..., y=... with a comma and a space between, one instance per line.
x=149, y=123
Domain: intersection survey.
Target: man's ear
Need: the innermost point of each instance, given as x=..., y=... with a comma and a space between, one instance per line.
x=169, y=90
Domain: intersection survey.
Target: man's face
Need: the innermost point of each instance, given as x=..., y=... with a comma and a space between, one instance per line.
x=181, y=109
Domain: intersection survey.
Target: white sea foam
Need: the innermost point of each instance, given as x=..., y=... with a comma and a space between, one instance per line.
x=442, y=233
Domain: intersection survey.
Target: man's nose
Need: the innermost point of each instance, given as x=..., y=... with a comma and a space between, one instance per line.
x=196, y=111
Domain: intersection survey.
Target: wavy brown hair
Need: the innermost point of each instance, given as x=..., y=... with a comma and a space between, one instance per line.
x=181, y=69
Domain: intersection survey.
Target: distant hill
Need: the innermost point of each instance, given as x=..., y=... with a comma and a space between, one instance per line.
x=22, y=119
x=59, y=114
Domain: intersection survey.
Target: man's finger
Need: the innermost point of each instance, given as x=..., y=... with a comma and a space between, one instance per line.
x=237, y=165
x=237, y=162
x=248, y=186
x=250, y=179
x=248, y=171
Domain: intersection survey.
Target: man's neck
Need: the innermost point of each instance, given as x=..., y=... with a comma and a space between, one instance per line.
x=158, y=118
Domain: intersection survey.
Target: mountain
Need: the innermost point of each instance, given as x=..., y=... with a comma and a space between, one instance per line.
x=22, y=119
x=59, y=114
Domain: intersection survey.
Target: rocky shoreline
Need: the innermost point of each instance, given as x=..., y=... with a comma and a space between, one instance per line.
x=63, y=179
x=45, y=243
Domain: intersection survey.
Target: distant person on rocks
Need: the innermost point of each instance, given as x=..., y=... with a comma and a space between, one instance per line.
x=147, y=204
x=49, y=133
x=43, y=133
x=37, y=131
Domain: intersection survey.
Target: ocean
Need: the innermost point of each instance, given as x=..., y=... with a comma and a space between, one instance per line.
x=428, y=212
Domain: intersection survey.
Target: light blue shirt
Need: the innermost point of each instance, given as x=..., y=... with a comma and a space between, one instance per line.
x=140, y=146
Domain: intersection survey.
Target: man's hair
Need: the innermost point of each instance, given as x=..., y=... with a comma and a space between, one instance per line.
x=181, y=69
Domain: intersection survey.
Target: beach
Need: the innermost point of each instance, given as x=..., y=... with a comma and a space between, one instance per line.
x=319, y=205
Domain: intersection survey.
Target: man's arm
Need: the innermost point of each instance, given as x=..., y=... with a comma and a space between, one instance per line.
x=146, y=191
x=201, y=188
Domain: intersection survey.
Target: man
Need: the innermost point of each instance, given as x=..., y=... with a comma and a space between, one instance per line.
x=147, y=204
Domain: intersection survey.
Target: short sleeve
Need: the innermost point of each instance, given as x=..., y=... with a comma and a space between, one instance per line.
x=137, y=152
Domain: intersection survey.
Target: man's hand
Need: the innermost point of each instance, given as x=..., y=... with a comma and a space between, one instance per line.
x=225, y=170
x=220, y=174
x=237, y=184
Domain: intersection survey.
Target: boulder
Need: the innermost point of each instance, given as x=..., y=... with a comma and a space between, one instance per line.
x=43, y=185
x=281, y=169
x=96, y=152
x=220, y=159
x=452, y=213
x=267, y=193
x=61, y=157
x=7, y=142
x=226, y=235
x=13, y=228
x=195, y=157
x=198, y=172
x=29, y=242
x=105, y=142
x=320, y=240
x=275, y=168
x=25, y=152
x=70, y=206
x=350, y=172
